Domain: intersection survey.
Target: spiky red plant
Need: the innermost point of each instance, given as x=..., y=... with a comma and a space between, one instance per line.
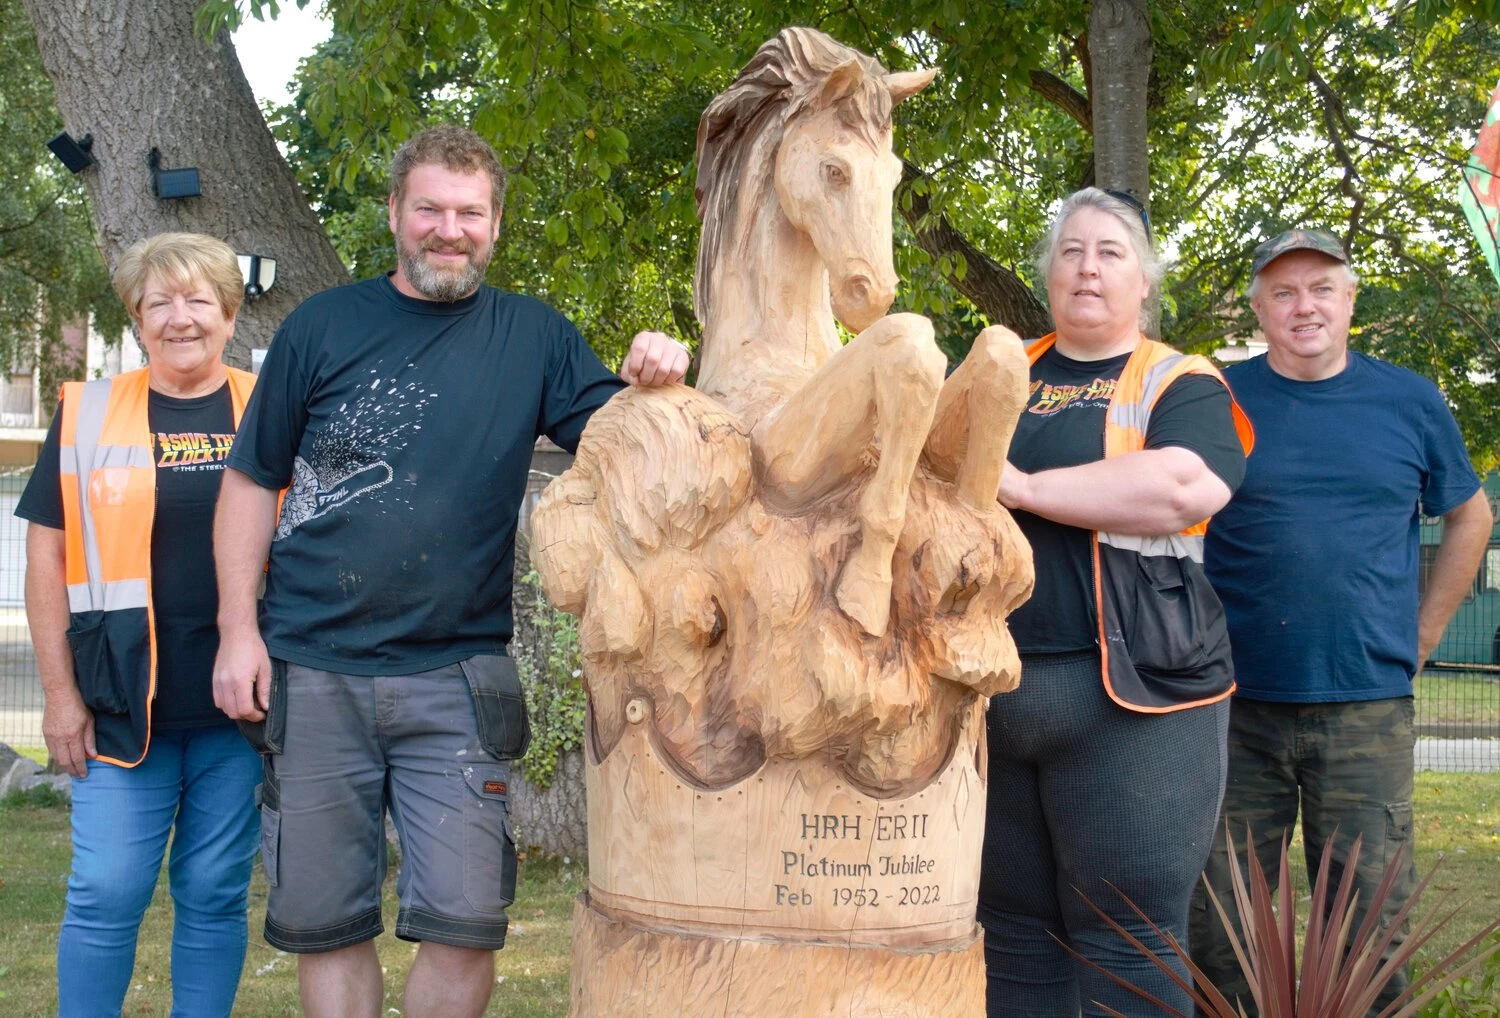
x=1341, y=974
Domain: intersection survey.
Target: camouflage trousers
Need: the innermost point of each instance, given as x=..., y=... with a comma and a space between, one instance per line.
x=1349, y=766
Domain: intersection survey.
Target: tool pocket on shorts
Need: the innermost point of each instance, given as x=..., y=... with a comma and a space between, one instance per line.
x=270, y=824
x=98, y=675
x=489, y=841
x=268, y=735
x=499, y=705
x=1397, y=825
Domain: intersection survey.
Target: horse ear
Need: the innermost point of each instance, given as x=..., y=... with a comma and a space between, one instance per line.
x=842, y=81
x=905, y=84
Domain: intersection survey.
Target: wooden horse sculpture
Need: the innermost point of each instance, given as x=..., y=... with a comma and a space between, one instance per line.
x=792, y=586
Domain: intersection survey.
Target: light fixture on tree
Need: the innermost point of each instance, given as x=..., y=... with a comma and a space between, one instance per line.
x=74, y=153
x=259, y=272
x=179, y=183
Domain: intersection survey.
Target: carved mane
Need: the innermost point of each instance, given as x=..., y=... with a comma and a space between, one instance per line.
x=742, y=128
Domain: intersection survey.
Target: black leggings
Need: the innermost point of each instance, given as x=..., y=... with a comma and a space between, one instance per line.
x=1083, y=792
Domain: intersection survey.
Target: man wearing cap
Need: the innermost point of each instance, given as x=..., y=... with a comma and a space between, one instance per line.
x=1316, y=561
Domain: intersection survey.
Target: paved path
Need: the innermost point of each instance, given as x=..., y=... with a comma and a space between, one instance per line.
x=20, y=694
x=1458, y=754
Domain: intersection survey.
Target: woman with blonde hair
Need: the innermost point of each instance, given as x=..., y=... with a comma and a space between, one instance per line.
x=122, y=602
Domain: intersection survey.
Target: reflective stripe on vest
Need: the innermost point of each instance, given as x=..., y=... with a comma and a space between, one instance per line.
x=1175, y=545
x=109, y=492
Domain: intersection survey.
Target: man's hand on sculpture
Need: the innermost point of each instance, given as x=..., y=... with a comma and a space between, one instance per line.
x=654, y=359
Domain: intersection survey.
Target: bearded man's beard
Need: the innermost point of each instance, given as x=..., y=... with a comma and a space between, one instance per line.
x=441, y=284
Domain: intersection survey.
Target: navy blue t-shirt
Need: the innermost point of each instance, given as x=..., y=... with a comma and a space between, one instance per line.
x=1315, y=558
x=404, y=428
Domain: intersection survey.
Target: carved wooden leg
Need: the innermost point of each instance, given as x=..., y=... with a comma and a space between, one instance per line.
x=987, y=390
x=883, y=387
x=970, y=437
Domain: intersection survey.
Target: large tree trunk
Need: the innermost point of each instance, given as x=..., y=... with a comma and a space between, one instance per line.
x=1120, y=58
x=556, y=818
x=134, y=75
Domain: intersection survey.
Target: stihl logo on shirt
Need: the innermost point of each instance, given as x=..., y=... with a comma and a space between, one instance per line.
x=494, y=788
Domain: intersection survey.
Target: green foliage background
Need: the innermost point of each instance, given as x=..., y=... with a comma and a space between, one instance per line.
x=1263, y=114
x=50, y=271
x=547, y=657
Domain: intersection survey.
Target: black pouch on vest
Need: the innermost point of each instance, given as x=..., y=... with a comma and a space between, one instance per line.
x=99, y=681
x=499, y=705
x=268, y=736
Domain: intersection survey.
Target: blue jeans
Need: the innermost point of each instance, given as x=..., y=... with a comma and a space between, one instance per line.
x=202, y=782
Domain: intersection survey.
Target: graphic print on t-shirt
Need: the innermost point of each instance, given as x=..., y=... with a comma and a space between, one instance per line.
x=1046, y=398
x=349, y=458
x=190, y=451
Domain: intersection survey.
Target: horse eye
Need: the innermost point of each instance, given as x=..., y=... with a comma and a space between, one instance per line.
x=717, y=633
x=834, y=174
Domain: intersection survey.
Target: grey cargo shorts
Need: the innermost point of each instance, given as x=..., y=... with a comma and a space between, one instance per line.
x=339, y=751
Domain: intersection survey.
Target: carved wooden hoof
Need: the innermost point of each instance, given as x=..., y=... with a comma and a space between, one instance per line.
x=623, y=969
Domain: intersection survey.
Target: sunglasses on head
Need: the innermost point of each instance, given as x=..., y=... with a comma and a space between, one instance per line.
x=1134, y=202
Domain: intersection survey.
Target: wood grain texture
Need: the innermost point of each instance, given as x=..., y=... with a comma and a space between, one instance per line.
x=795, y=852
x=792, y=586
x=636, y=971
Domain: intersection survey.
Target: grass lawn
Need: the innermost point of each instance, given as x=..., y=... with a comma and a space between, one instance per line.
x=1458, y=698
x=532, y=971
x=1457, y=815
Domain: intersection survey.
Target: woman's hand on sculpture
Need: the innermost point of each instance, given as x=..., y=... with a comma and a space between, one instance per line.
x=1014, y=485
x=654, y=359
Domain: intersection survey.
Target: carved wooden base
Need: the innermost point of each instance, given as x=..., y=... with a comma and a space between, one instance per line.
x=622, y=969
x=793, y=852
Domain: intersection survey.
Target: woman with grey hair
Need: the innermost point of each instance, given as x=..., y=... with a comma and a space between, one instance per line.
x=1107, y=764
x=120, y=594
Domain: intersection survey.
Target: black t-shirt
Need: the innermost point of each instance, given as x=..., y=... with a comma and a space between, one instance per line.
x=1063, y=426
x=190, y=439
x=405, y=428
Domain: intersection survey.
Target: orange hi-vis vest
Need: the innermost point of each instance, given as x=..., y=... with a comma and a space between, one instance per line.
x=108, y=480
x=1163, y=644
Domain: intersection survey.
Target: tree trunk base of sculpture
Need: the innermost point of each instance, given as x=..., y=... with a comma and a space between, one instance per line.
x=622, y=969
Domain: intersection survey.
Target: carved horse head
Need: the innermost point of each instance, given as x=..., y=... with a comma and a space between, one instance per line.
x=808, y=120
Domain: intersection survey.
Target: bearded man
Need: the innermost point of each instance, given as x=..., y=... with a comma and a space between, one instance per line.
x=399, y=413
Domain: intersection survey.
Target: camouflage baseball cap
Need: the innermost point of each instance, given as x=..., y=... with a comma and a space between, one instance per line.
x=1320, y=241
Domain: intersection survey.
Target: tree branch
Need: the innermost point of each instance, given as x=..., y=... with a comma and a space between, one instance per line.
x=1333, y=114
x=993, y=288
x=1439, y=283
x=1064, y=96
x=40, y=212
